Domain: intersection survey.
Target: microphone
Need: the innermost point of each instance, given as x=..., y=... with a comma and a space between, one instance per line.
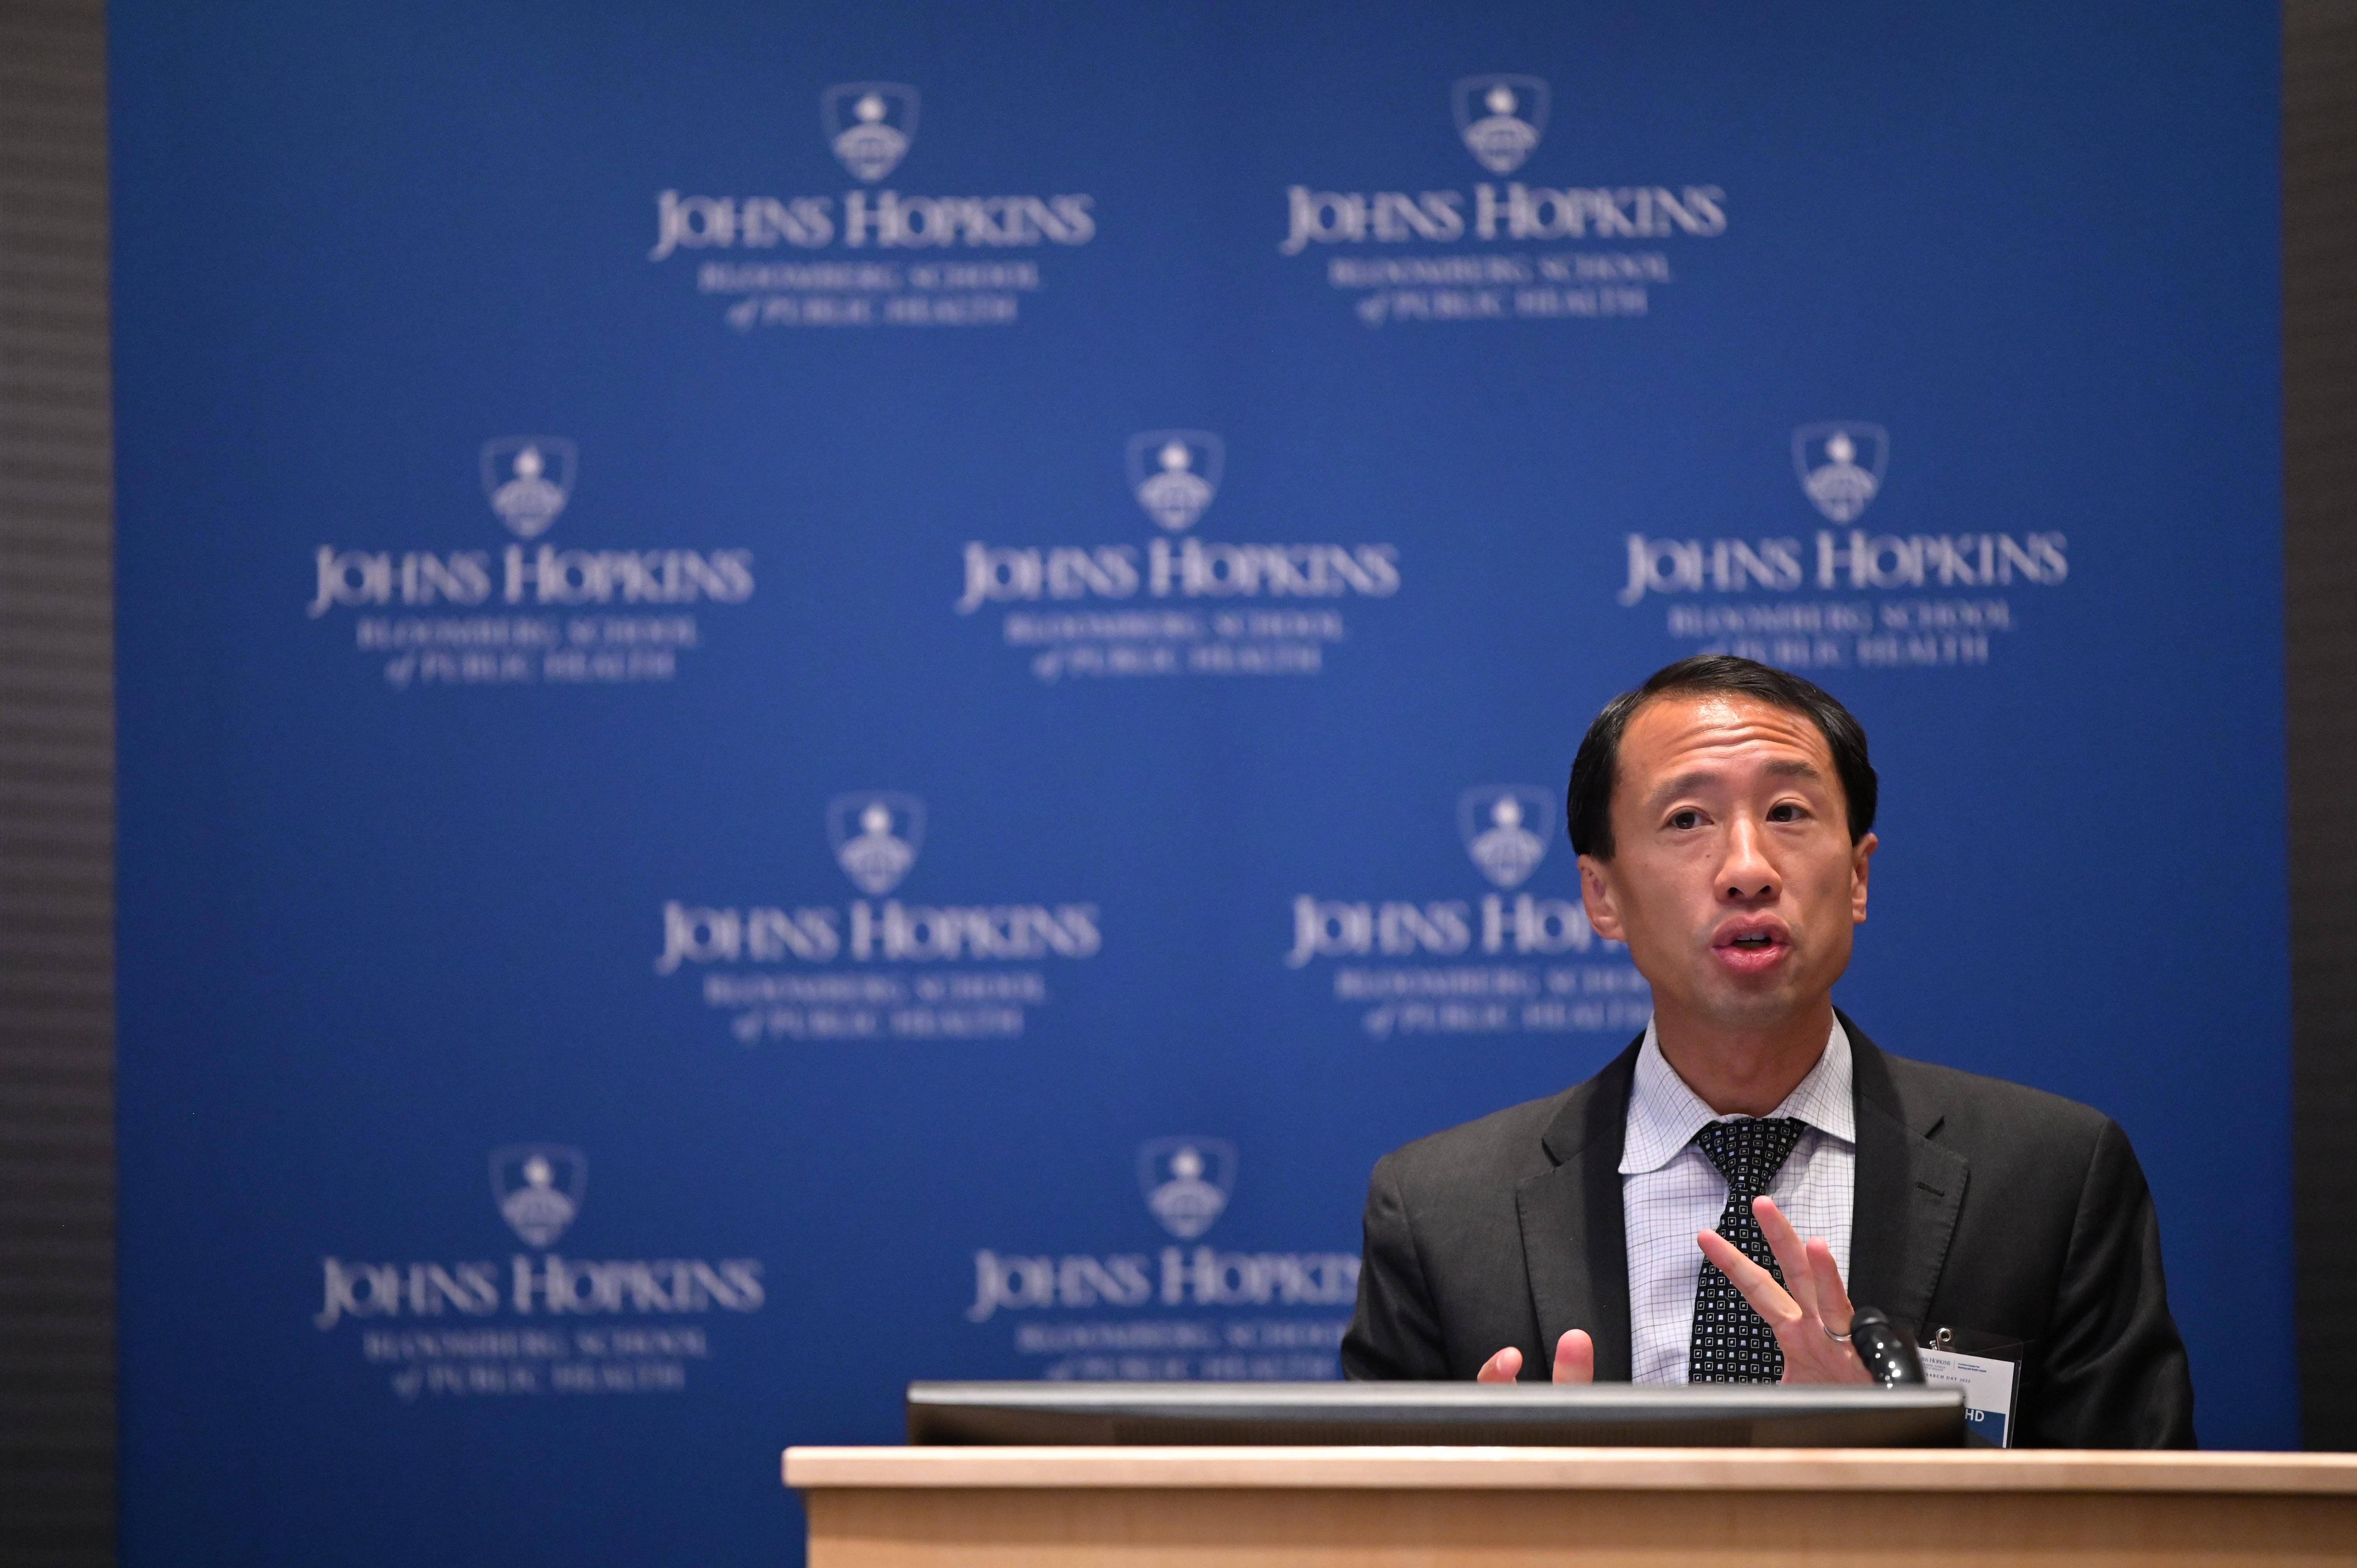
x=1887, y=1354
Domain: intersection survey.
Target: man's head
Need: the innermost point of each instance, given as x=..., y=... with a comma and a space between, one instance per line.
x=1723, y=815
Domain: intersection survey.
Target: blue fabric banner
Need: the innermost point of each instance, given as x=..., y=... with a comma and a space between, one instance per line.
x=819, y=695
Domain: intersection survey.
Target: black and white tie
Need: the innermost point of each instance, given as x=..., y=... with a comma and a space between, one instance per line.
x=1733, y=1344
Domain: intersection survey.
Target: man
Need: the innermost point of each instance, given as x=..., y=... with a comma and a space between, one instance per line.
x=1641, y=1226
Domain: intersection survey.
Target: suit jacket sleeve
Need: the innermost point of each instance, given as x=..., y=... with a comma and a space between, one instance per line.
x=1394, y=1333
x=2115, y=1373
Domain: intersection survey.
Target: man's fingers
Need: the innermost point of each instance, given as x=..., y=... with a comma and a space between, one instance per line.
x=1830, y=1362
x=1834, y=1309
x=1575, y=1362
x=1809, y=1355
x=1791, y=1257
x=1757, y=1286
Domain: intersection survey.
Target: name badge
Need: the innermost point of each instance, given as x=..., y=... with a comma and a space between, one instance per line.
x=1989, y=1381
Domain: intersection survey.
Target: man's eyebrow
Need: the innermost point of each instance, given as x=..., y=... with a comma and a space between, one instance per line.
x=1702, y=778
x=1699, y=779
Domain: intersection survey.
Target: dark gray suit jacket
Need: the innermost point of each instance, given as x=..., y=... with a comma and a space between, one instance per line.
x=2002, y=1212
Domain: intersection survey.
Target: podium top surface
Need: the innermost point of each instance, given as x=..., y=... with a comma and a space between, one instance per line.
x=1577, y=1469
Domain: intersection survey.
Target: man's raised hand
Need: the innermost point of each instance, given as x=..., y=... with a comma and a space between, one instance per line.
x=1805, y=1311
x=1574, y=1360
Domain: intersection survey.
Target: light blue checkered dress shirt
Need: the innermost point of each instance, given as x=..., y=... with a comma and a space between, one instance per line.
x=1668, y=1190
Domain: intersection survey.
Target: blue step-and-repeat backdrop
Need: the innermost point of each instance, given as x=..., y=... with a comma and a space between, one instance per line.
x=815, y=695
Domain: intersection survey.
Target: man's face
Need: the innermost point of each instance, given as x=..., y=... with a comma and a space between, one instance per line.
x=1732, y=879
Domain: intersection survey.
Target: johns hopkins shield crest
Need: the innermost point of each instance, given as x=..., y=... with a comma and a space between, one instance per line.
x=1501, y=118
x=1174, y=474
x=527, y=479
x=539, y=1189
x=877, y=834
x=1506, y=829
x=1840, y=465
x=869, y=124
x=1187, y=1182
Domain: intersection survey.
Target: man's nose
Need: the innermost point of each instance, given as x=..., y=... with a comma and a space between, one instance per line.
x=1747, y=875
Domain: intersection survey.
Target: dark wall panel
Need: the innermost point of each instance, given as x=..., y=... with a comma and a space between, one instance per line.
x=57, y=765
x=2320, y=628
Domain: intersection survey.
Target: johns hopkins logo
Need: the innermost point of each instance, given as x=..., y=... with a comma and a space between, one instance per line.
x=1840, y=466
x=877, y=834
x=527, y=479
x=539, y=1189
x=1175, y=474
x=1506, y=828
x=1501, y=118
x=869, y=124
x=1187, y=1182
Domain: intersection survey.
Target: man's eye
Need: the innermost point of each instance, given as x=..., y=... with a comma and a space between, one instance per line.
x=1686, y=819
x=1784, y=813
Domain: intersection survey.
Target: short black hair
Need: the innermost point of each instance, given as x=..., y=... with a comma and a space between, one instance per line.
x=1588, y=803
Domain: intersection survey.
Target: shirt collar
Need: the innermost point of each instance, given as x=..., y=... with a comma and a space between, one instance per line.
x=1665, y=1114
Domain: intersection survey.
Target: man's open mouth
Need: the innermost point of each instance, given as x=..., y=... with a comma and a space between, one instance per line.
x=1756, y=949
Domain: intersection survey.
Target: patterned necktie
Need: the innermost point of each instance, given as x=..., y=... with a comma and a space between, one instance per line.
x=1733, y=1344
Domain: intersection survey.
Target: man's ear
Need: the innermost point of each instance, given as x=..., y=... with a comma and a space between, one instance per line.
x=1595, y=894
x=1859, y=853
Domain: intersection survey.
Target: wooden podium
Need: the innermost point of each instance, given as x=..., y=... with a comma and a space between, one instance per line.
x=1438, y=1507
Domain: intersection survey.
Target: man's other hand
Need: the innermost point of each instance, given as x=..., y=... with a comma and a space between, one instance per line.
x=1805, y=1312
x=1574, y=1360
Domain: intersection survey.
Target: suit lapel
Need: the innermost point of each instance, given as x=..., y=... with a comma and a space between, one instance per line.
x=1573, y=1240
x=1908, y=1192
